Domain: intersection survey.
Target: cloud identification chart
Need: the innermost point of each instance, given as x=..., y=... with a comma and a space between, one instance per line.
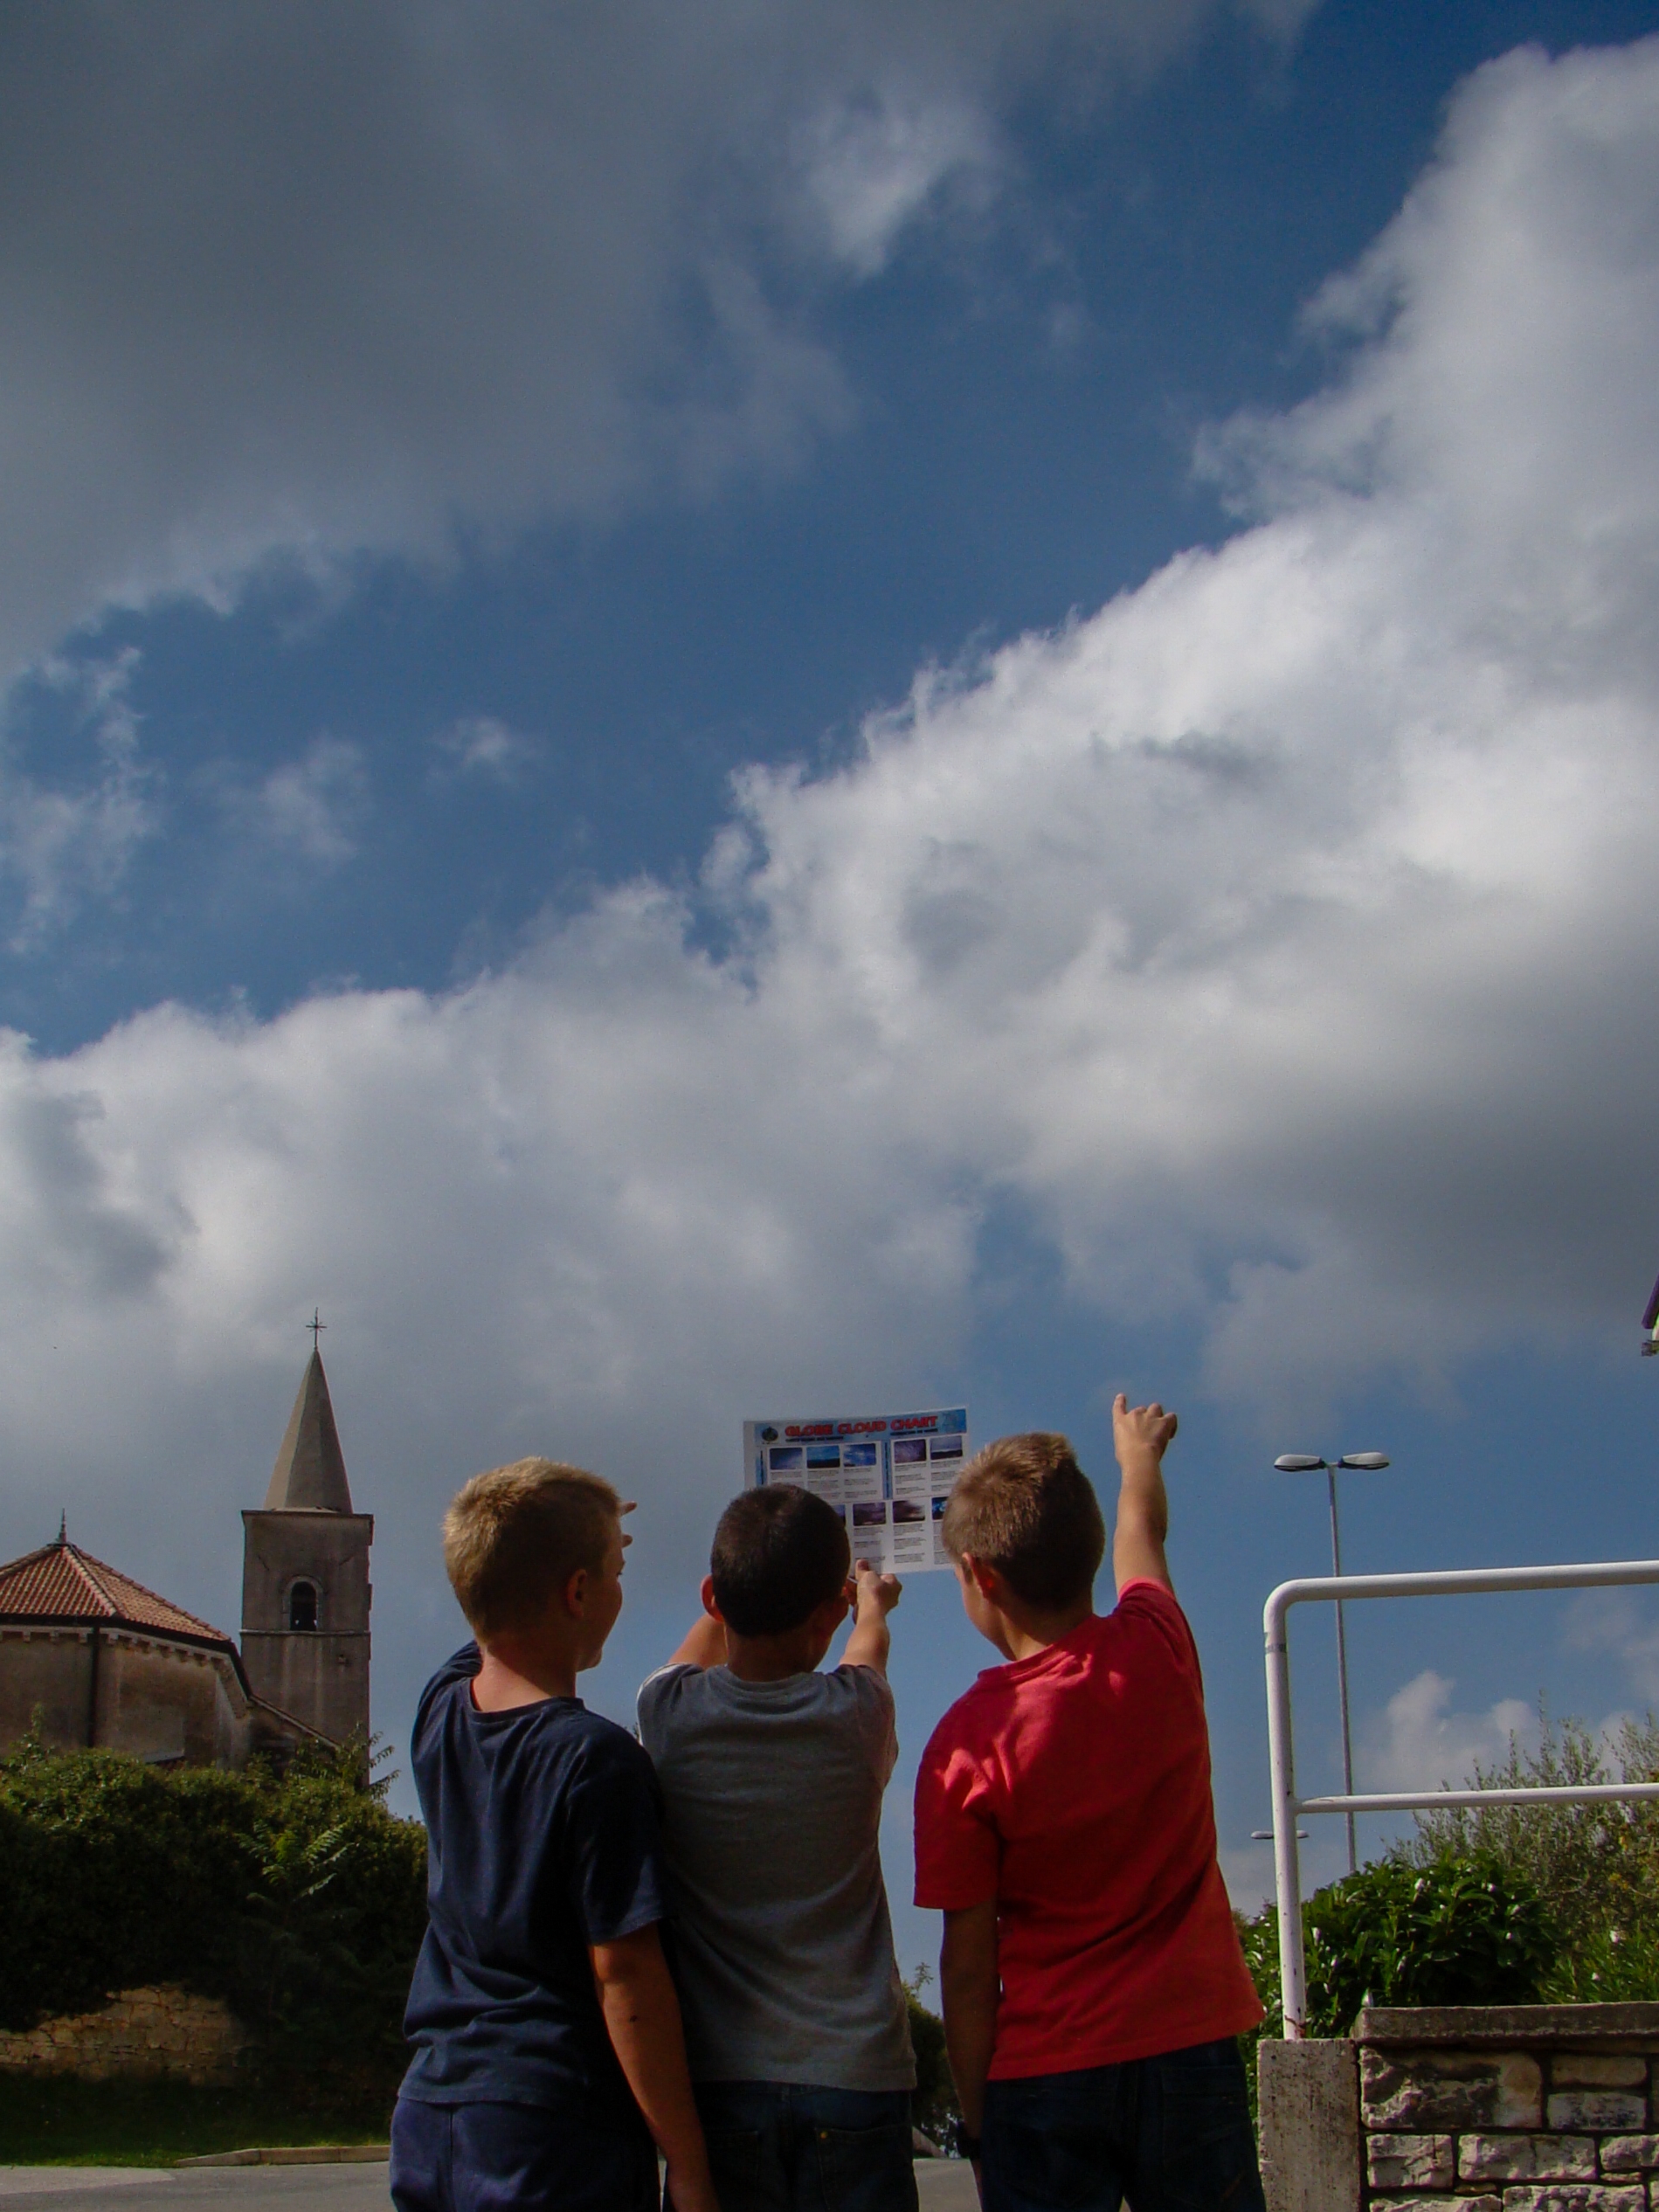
x=888, y=1474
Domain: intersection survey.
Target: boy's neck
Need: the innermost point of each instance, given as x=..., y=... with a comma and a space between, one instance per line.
x=774, y=1658
x=522, y=1671
x=1026, y=1632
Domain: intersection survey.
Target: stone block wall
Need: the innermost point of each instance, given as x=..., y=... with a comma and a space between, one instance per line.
x=1478, y=2108
x=139, y=2032
x=1544, y=2130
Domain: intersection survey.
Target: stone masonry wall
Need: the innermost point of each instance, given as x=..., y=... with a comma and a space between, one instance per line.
x=1549, y=2117
x=140, y=2031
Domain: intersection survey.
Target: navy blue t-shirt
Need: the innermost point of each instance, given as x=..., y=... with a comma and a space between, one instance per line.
x=542, y=1828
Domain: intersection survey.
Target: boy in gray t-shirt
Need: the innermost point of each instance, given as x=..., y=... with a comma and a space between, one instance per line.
x=773, y=1776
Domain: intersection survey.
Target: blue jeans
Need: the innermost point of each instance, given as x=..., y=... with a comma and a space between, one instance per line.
x=787, y=2146
x=507, y=2158
x=1164, y=2134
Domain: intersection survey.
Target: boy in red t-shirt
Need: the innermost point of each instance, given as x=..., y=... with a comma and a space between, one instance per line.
x=1092, y=1979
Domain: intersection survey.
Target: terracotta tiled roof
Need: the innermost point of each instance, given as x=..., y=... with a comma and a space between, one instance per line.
x=61, y=1582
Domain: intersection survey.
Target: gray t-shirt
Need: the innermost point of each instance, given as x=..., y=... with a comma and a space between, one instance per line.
x=783, y=1949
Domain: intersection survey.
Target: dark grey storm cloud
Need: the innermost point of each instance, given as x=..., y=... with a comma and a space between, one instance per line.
x=294, y=281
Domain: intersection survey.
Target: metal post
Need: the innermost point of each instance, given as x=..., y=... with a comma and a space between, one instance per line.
x=1287, y=1874
x=1342, y=1670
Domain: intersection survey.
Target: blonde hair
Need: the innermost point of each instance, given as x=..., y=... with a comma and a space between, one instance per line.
x=514, y=1535
x=1024, y=1505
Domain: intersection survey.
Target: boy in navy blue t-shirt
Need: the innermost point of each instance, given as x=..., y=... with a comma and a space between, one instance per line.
x=548, y=2051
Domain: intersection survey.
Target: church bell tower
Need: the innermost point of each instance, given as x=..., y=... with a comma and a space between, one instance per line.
x=305, y=1577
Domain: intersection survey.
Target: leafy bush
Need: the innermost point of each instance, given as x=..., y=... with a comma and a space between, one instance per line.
x=1595, y=1867
x=1496, y=1904
x=1455, y=1929
x=297, y=1898
x=933, y=2101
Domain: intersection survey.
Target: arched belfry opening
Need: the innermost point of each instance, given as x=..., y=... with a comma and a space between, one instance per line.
x=305, y=1593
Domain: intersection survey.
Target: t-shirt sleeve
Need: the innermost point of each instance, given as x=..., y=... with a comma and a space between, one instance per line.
x=958, y=1850
x=1156, y=1604
x=655, y=1701
x=871, y=1697
x=612, y=1859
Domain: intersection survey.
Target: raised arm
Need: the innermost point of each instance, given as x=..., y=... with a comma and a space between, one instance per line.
x=642, y=2018
x=1139, y=1435
x=705, y=1641
x=871, y=1639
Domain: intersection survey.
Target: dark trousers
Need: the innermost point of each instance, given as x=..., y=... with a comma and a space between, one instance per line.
x=503, y=2158
x=787, y=2146
x=1164, y=2134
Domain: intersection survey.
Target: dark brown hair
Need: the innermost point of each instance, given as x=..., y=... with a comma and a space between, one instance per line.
x=1025, y=1506
x=778, y=1553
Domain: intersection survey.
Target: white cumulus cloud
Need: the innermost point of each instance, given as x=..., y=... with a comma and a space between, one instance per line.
x=309, y=806
x=483, y=745
x=1279, y=939
x=1620, y=1622
x=1422, y=1743
x=66, y=841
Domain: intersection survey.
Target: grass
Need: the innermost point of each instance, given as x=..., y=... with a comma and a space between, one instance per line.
x=63, y=2122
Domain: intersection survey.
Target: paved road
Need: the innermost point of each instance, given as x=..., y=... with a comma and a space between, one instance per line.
x=943, y=2185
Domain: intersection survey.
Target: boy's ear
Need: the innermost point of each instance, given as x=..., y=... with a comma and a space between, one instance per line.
x=572, y=1598
x=708, y=1604
x=828, y=1617
x=983, y=1575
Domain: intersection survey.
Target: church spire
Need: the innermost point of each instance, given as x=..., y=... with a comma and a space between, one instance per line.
x=310, y=1471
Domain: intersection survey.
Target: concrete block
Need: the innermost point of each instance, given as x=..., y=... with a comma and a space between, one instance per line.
x=1422, y=2092
x=1526, y=2158
x=1629, y=2153
x=1586, y=2069
x=1504, y=2027
x=1597, y=2108
x=1309, y=2113
x=1410, y=2162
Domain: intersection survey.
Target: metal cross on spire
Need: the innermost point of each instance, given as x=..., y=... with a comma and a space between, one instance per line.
x=316, y=1325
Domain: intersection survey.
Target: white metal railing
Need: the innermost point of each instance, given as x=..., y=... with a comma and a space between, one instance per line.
x=1287, y=1806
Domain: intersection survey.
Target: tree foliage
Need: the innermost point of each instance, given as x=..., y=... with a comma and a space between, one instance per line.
x=297, y=1898
x=1594, y=1867
x=933, y=2101
x=1498, y=1903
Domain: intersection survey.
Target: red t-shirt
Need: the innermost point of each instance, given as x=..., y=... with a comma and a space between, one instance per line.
x=1074, y=1788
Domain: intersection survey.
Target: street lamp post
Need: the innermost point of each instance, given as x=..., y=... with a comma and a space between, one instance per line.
x=1356, y=1462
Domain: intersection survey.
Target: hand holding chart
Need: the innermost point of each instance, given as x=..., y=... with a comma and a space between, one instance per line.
x=888, y=1474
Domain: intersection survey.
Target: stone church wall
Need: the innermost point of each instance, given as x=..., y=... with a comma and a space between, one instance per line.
x=48, y=1668
x=140, y=2032
x=159, y=1702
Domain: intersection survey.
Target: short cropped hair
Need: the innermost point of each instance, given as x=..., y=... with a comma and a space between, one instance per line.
x=1025, y=1506
x=514, y=1535
x=778, y=1553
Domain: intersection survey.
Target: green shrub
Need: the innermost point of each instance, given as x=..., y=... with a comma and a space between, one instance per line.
x=933, y=2101
x=297, y=1898
x=1595, y=1866
x=1452, y=1930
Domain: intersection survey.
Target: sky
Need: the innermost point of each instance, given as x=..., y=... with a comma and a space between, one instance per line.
x=760, y=710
